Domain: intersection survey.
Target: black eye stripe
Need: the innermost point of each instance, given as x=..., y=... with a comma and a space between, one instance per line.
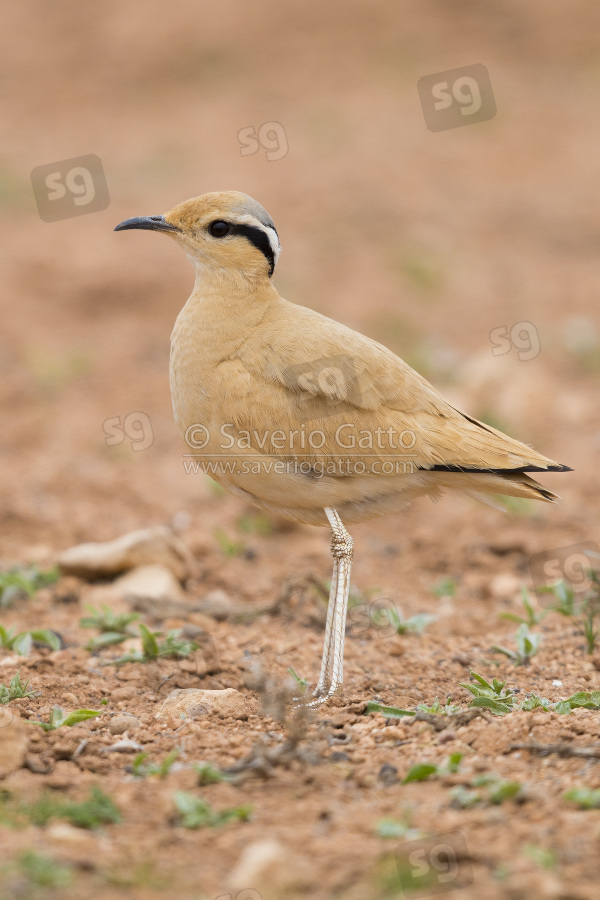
x=260, y=240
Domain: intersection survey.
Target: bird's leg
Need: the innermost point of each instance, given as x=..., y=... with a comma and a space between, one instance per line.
x=332, y=665
x=326, y=662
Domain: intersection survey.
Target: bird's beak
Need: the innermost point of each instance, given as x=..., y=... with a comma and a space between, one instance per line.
x=148, y=223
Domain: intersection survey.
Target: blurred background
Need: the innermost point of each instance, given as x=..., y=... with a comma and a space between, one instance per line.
x=437, y=243
x=433, y=169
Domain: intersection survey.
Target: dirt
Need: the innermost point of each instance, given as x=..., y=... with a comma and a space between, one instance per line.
x=427, y=241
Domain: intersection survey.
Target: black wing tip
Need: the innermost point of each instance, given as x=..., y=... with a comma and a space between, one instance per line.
x=520, y=470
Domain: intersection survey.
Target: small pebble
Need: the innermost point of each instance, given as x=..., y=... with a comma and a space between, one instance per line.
x=71, y=699
x=121, y=724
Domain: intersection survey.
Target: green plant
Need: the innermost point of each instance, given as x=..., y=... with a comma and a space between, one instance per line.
x=531, y=617
x=490, y=695
x=195, y=812
x=172, y=646
x=423, y=771
x=394, y=829
x=107, y=621
x=58, y=719
x=24, y=580
x=485, y=790
x=114, y=627
x=567, y=603
x=256, y=523
x=141, y=768
x=584, y=797
x=544, y=857
x=95, y=810
x=229, y=547
x=15, y=690
x=445, y=588
x=42, y=870
x=390, y=712
x=210, y=774
x=436, y=708
x=415, y=624
x=301, y=682
x=528, y=644
x=98, y=809
x=22, y=642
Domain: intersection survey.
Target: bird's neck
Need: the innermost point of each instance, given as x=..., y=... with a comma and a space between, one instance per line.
x=223, y=308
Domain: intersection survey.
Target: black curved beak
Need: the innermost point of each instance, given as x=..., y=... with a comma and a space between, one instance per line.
x=147, y=223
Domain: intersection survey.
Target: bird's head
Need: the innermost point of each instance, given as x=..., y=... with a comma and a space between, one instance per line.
x=224, y=230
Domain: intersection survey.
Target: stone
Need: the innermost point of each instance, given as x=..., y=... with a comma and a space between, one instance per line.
x=14, y=741
x=278, y=870
x=150, y=546
x=148, y=582
x=192, y=703
x=122, y=723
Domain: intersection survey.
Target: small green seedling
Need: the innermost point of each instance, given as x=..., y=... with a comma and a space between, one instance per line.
x=107, y=621
x=445, y=588
x=195, y=812
x=567, y=603
x=485, y=790
x=490, y=695
x=141, y=768
x=208, y=773
x=531, y=617
x=15, y=690
x=22, y=642
x=414, y=625
x=436, y=708
x=106, y=639
x=21, y=581
x=58, y=719
x=528, y=644
x=228, y=546
x=97, y=809
x=173, y=646
x=585, y=798
x=255, y=523
x=543, y=856
x=590, y=612
x=301, y=682
x=423, y=771
x=394, y=829
x=43, y=871
x=390, y=712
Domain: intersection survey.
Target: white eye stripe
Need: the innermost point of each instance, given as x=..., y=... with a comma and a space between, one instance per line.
x=268, y=230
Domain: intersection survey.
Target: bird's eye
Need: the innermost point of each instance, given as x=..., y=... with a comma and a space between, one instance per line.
x=219, y=228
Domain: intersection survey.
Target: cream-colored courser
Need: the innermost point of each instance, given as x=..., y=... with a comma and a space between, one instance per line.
x=304, y=417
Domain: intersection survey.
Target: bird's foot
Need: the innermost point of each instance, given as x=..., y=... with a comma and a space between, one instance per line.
x=321, y=694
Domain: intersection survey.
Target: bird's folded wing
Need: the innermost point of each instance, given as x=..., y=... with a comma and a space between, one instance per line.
x=312, y=376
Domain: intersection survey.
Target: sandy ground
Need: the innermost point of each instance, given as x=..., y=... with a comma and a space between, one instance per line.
x=437, y=244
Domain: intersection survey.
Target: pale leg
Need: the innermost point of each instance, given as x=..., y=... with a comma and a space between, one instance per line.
x=332, y=665
x=326, y=661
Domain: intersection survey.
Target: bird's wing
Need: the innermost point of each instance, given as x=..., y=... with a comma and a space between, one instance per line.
x=304, y=373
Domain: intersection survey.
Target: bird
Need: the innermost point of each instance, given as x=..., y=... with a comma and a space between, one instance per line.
x=304, y=417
